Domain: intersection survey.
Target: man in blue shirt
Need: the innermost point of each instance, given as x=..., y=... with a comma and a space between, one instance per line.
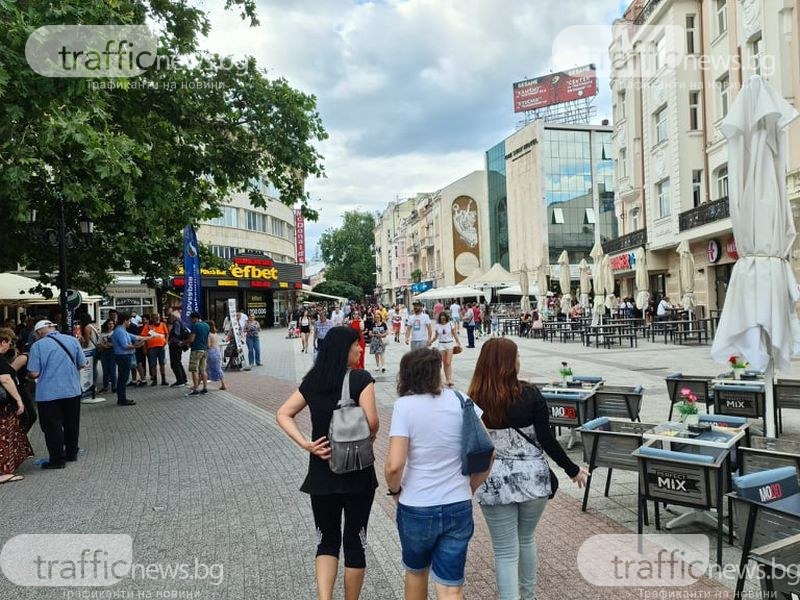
x=124, y=346
x=55, y=361
x=198, y=351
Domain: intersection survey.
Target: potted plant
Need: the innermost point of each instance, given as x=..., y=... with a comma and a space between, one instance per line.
x=688, y=407
x=566, y=373
x=738, y=365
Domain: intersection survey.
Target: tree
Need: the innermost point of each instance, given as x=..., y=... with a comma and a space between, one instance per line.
x=348, y=252
x=148, y=155
x=339, y=288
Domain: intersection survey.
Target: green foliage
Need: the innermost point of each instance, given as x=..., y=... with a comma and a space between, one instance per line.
x=339, y=288
x=141, y=161
x=416, y=275
x=348, y=251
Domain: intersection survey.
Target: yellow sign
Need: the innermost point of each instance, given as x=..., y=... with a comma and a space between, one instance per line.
x=240, y=272
x=227, y=283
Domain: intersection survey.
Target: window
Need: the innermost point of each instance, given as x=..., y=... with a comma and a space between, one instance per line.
x=690, y=34
x=697, y=187
x=278, y=227
x=558, y=216
x=660, y=52
x=226, y=252
x=694, y=111
x=256, y=221
x=757, y=51
x=661, y=125
x=722, y=182
x=722, y=16
x=722, y=86
x=662, y=193
x=621, y=109
x=623, y=163
x=589, y=217
x=634, y=218
x=229, y=218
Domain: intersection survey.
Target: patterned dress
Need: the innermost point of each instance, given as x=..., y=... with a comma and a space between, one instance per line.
x=14, y=444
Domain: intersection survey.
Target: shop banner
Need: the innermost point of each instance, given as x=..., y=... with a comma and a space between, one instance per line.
x=238, y=334
x=192, y=293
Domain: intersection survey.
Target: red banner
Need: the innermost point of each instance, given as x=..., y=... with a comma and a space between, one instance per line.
x=730, y=249
x=555, y=88
x=299, y=237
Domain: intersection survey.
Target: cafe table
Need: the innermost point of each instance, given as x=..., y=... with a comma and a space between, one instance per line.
x=742, y=397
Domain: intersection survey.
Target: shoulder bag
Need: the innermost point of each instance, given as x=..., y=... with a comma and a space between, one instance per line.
x=553, y=477
x=476, y=447
x=349, y=435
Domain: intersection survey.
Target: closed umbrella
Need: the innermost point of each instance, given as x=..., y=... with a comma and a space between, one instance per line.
x=686, y=275
x=541, y=279
x=564, y=281
x=599, y=287
x=758, y=320
x=608, y=283
x=586, y=285
x=642, y=283
x=525, y=303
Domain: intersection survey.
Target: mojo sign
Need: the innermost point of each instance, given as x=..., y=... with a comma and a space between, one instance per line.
x=563, y=413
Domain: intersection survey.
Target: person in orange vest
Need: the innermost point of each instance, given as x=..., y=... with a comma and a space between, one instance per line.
x=156, y=332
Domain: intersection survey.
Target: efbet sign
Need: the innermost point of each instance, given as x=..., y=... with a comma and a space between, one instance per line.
x=623, y=262
x=241, y=272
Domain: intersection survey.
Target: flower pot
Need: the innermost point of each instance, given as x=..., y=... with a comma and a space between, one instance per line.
x=692, y=419
x=737, y=372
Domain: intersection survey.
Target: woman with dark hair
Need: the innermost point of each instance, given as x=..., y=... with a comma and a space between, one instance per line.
x=448, y=339
x=514, y=496
x=14, y=444
x=332, y=494
x=423, y=473
x=357, y=324
x=304, y=322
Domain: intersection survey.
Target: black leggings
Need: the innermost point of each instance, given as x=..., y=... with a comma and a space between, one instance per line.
x=328, y=520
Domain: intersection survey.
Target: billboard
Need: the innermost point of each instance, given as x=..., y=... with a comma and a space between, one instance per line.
x=555, y=88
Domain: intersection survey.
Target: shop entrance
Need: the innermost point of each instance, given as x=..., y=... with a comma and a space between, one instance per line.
x=722, y=275
x=261, y=305
x=218, y=305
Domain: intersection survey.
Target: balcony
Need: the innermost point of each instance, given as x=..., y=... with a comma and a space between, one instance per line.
x=412, y=249
x=427, y=241
x=633, y=239
x=645, y=13
x=708, y=212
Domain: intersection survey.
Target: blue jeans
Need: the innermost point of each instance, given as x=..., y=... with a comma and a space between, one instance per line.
x=470, y=336
x=109, y=369
x=512, y=528
x=254, y=350
x=436, y=537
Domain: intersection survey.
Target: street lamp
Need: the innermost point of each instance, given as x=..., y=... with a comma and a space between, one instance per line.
x=61, y=239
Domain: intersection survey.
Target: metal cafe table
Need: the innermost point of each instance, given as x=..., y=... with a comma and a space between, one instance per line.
x=686, y=468
x=570, y=406
x=741, y=398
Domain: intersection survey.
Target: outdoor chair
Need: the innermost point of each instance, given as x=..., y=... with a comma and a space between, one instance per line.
x=740, y=400
x=609, y=444
x=787, y=395
x=766, y=509
x=588, y=378
x=618, y=401
x=763, y=454
x=699, y=385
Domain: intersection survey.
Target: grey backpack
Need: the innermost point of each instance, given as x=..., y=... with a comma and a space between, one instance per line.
x=349, y=435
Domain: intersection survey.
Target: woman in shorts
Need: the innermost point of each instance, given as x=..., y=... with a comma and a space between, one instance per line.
x=448, y=339
x=305, y=329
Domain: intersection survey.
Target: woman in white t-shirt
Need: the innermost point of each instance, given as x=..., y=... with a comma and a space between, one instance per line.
x=423, y=472
x=448, y=339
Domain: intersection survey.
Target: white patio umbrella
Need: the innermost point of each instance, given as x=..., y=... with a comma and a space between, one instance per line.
x=14, y=290
x=758, y=320
x=525, y=303
x=599, y=286
x=564, y=281
x=642, y=283
x=541, y=279
x=686, y=275
x=586, y=285
x=608, y=283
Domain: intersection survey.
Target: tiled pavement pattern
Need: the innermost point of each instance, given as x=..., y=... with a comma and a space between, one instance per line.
x=213, y=478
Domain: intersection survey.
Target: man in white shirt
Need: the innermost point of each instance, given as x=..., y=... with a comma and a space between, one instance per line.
x=663, y=307
x=455, y=314
x=337, y=318
x=419, y=330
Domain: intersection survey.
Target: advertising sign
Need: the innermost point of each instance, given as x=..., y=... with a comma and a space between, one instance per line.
x=238, y=334
x=555, y=88
x=299, y=237
x=192, y=296
x=466, y=243
x=712, y=251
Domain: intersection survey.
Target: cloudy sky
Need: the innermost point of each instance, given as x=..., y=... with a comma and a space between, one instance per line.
x=413, y=92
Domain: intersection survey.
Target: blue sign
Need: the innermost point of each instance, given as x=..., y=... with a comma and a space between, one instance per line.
x=192, y=292
x=422, y=286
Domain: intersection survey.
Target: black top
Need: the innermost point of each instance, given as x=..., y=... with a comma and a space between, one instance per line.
x=320, y=479
x=531, y=409
x=382, y=328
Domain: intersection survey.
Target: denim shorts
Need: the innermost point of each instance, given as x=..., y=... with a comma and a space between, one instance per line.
x=436, y=537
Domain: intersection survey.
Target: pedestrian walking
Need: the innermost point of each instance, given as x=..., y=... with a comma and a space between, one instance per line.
x=156, y=333
x=14, y=444
x=423, y=474
x=124, y=345
x=178, y=334
x=515, y=494
x=377, y=340
x=55, y=362
x=321, y=328
x=468, y=318
x=304, y=322
x=215, y=356
x=418, y=328
x=448, y=340
x=334, y=494
x=198, y=354
x=106, y=350
x=252, y=332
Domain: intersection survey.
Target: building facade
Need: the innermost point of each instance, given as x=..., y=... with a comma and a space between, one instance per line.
x=677, y=66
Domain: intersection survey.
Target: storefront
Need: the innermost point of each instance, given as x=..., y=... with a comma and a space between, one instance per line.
x=128, y=298
x=258, y=284
x=720, y=258
x=623, y=268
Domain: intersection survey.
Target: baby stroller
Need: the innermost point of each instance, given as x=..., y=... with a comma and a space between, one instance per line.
x=294, y=330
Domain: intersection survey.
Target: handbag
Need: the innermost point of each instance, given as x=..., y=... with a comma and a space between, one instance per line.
x=457, y=349
x=553, y=477
x=349, y=435
x=476, y=447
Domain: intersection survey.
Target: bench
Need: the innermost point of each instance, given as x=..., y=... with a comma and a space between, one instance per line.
x=699, y=385
x=695, y=328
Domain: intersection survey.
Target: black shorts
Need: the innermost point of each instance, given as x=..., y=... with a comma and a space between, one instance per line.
x=305, y=329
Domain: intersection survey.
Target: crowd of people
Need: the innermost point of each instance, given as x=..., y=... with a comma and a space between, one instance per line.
x=423, y=469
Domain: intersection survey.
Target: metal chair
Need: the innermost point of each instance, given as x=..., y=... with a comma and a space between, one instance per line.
x=699, y=385
x=618, y=401
x=787, y=395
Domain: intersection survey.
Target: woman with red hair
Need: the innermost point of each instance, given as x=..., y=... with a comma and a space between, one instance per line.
x=515, y=494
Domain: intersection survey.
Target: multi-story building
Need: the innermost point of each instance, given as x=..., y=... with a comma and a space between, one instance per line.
x=391, y=263
x=677, y=66
x=550, y=188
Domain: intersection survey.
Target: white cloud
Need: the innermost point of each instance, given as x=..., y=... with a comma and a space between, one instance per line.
x=411, y=91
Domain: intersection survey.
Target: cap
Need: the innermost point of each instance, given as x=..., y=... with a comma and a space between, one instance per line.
x=42, y=324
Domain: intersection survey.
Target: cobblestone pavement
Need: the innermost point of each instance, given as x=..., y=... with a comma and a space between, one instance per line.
x=213, y=479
